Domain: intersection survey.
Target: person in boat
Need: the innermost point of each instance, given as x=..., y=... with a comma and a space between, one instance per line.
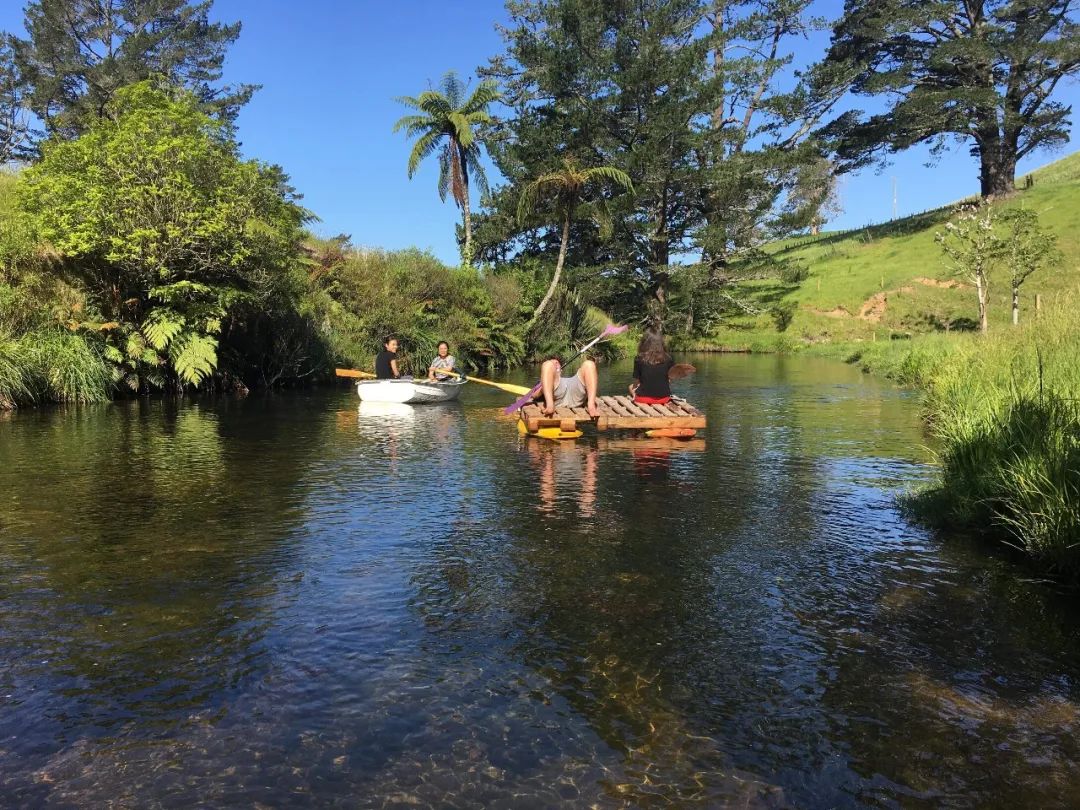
x=651, y=385
x=386, y=361
x=443, y=362
x=577, y=391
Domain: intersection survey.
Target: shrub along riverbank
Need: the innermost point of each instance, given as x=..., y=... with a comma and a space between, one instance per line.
x=147, y=256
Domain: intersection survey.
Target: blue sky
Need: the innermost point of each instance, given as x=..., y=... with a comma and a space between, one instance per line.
x=331, y=70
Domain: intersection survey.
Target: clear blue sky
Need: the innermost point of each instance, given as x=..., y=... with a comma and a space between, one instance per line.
x=331, y=70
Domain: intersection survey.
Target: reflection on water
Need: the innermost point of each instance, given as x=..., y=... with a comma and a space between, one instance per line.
x=292, y=599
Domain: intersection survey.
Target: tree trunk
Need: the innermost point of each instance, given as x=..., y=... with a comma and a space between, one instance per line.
x=1016, y=305
x=558, y=273
x=466, y=215
x=997, y=176
x=983, y=293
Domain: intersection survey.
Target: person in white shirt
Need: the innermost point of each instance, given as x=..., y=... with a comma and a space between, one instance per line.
x=443, y=362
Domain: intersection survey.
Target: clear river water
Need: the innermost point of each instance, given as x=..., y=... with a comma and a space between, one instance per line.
x=290, y=600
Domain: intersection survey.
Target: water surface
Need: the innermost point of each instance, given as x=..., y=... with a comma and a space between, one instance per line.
x=292, y=600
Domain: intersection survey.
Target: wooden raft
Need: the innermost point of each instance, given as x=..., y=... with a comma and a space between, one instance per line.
x=617, y=413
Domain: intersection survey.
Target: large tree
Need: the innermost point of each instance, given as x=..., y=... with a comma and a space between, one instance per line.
x=173, y=236
x=78, y=53
x=447, y=121
x=977, y=71
x=14, y=126
x=564, y=192
x=696, y=101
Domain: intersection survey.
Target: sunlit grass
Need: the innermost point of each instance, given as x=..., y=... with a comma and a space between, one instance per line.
x=51, y=365
x=1005, y=409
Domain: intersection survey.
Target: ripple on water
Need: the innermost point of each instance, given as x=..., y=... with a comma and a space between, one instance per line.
x=290, y=600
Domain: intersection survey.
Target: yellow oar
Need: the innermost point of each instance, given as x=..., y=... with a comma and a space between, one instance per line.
x=517, y=390
x=352, y=372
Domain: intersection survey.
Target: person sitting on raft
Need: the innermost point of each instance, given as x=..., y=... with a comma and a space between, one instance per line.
x=578, y=391
x=443, y=362
x=386, y=363
x=651, y=385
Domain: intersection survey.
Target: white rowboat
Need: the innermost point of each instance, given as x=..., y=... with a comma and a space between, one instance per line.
x=409, y=392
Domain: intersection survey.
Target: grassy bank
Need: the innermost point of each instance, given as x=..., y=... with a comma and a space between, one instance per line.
x=1004, y=407
x=1006, y=411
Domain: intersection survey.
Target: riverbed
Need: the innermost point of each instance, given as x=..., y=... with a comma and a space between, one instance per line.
x=291, y=600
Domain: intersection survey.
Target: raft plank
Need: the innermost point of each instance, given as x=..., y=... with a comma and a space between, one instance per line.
x=616, y=412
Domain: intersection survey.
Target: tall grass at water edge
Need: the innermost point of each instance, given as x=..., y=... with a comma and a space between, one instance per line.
x=51, y=365
x=1005, y=409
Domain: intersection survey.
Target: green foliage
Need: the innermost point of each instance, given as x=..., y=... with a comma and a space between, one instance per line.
x=166, y=229
x=1027, y=249
x=360, y=296
x=14, y=123
x=982, y=72
x=689, y=101
x=51, y=364
x=78, y=54
x=1003, y=409
x=566, y=189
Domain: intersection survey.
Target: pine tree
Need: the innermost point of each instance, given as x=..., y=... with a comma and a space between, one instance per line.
x=78, y=53
x=981, y=72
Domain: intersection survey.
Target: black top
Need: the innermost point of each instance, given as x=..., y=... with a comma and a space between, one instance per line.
x=653, y=377
x=382, y=365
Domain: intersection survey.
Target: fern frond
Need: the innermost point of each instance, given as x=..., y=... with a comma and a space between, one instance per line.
x=194, y=358
x=434, y=104
x=161, y=326
x=444, y=174
x=486, y=93
x=413, y=123
x=427, y=144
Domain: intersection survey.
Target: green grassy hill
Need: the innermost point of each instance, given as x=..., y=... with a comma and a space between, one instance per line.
x=890, y=280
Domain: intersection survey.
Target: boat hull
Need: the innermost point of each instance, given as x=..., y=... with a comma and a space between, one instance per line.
x=408, y=392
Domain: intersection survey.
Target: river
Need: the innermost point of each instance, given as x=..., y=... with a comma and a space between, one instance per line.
x=286, y=600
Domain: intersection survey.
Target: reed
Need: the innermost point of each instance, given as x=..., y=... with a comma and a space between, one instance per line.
x=1005, y=410
x=51, y=364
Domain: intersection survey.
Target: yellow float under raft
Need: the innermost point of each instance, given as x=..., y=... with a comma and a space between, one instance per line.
x=678, y=419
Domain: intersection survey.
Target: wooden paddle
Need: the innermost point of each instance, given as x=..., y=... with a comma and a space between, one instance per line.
x=509, y=388
x=680, y=370
x=352, y=372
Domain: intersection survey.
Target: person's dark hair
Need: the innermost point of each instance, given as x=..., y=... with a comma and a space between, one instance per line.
x=442, y=343
x=651, y=349
x=387, y=339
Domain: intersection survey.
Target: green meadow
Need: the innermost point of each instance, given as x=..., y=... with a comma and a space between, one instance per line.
x=1004, y=408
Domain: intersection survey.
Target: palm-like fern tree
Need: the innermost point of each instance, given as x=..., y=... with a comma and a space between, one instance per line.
x=447, y=121
x=564, y=191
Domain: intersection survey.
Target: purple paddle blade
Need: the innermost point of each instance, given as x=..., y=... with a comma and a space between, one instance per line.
x=523, y=400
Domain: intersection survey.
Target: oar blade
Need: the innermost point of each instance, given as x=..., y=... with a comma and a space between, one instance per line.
x=680, y=370
x=523, y=400
x=352, y=372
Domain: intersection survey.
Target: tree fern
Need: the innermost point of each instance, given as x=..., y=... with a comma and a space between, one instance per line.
x=448, y=123
x=194, y=357
x=161, y=326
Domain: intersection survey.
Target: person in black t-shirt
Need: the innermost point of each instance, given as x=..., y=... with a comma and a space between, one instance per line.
x=386, y=366
x=651, y=367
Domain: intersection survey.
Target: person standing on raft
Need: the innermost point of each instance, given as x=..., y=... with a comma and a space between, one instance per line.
x=578, y=391
x=651, y=385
